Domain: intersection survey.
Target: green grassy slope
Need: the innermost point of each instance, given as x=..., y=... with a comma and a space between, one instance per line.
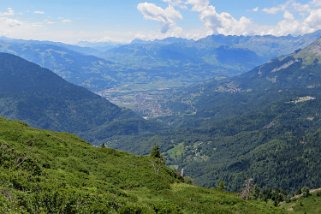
x=48, y=172
x=305, y=205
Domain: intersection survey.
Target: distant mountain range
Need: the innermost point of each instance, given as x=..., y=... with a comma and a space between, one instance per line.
x=102, y=66
x=36, y=95
x=204, y=58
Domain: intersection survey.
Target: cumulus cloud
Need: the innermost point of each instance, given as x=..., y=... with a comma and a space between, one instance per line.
x=167, y=17
x=288, y=25
x=219, y=23
x=306, y=20
x=298, y=18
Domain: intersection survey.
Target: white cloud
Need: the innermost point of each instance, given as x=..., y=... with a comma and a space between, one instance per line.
x=256, y=9
x=298, y=18
x=313, y=21
x=198, y=5
x=288, y=25
x=167, y=17
x=301, y=8
x=287, y=5
x=292, y=5
x=11, y=25
x=176, y=3
x=317, y=2
x=39, y=12
x=219, y=23
x=8, y=12
x=7, y=22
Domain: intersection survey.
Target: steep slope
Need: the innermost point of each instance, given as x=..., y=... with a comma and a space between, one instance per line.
x=285, y=76
x=311, y=54
x=41, y=98
x=264, y=124
x=305, y=204
x=47, y=172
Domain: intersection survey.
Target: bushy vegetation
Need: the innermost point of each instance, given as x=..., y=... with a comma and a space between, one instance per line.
x=48, y=172
x=304, y=204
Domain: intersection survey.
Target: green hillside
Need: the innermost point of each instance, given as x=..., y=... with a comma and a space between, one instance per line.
x=305, y=205
x=48, y=172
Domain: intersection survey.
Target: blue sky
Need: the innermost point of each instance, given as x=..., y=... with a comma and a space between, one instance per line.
x=72, y=21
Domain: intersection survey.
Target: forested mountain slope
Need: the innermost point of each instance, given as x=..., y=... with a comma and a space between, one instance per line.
x=38, y=96
x=264, y=124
